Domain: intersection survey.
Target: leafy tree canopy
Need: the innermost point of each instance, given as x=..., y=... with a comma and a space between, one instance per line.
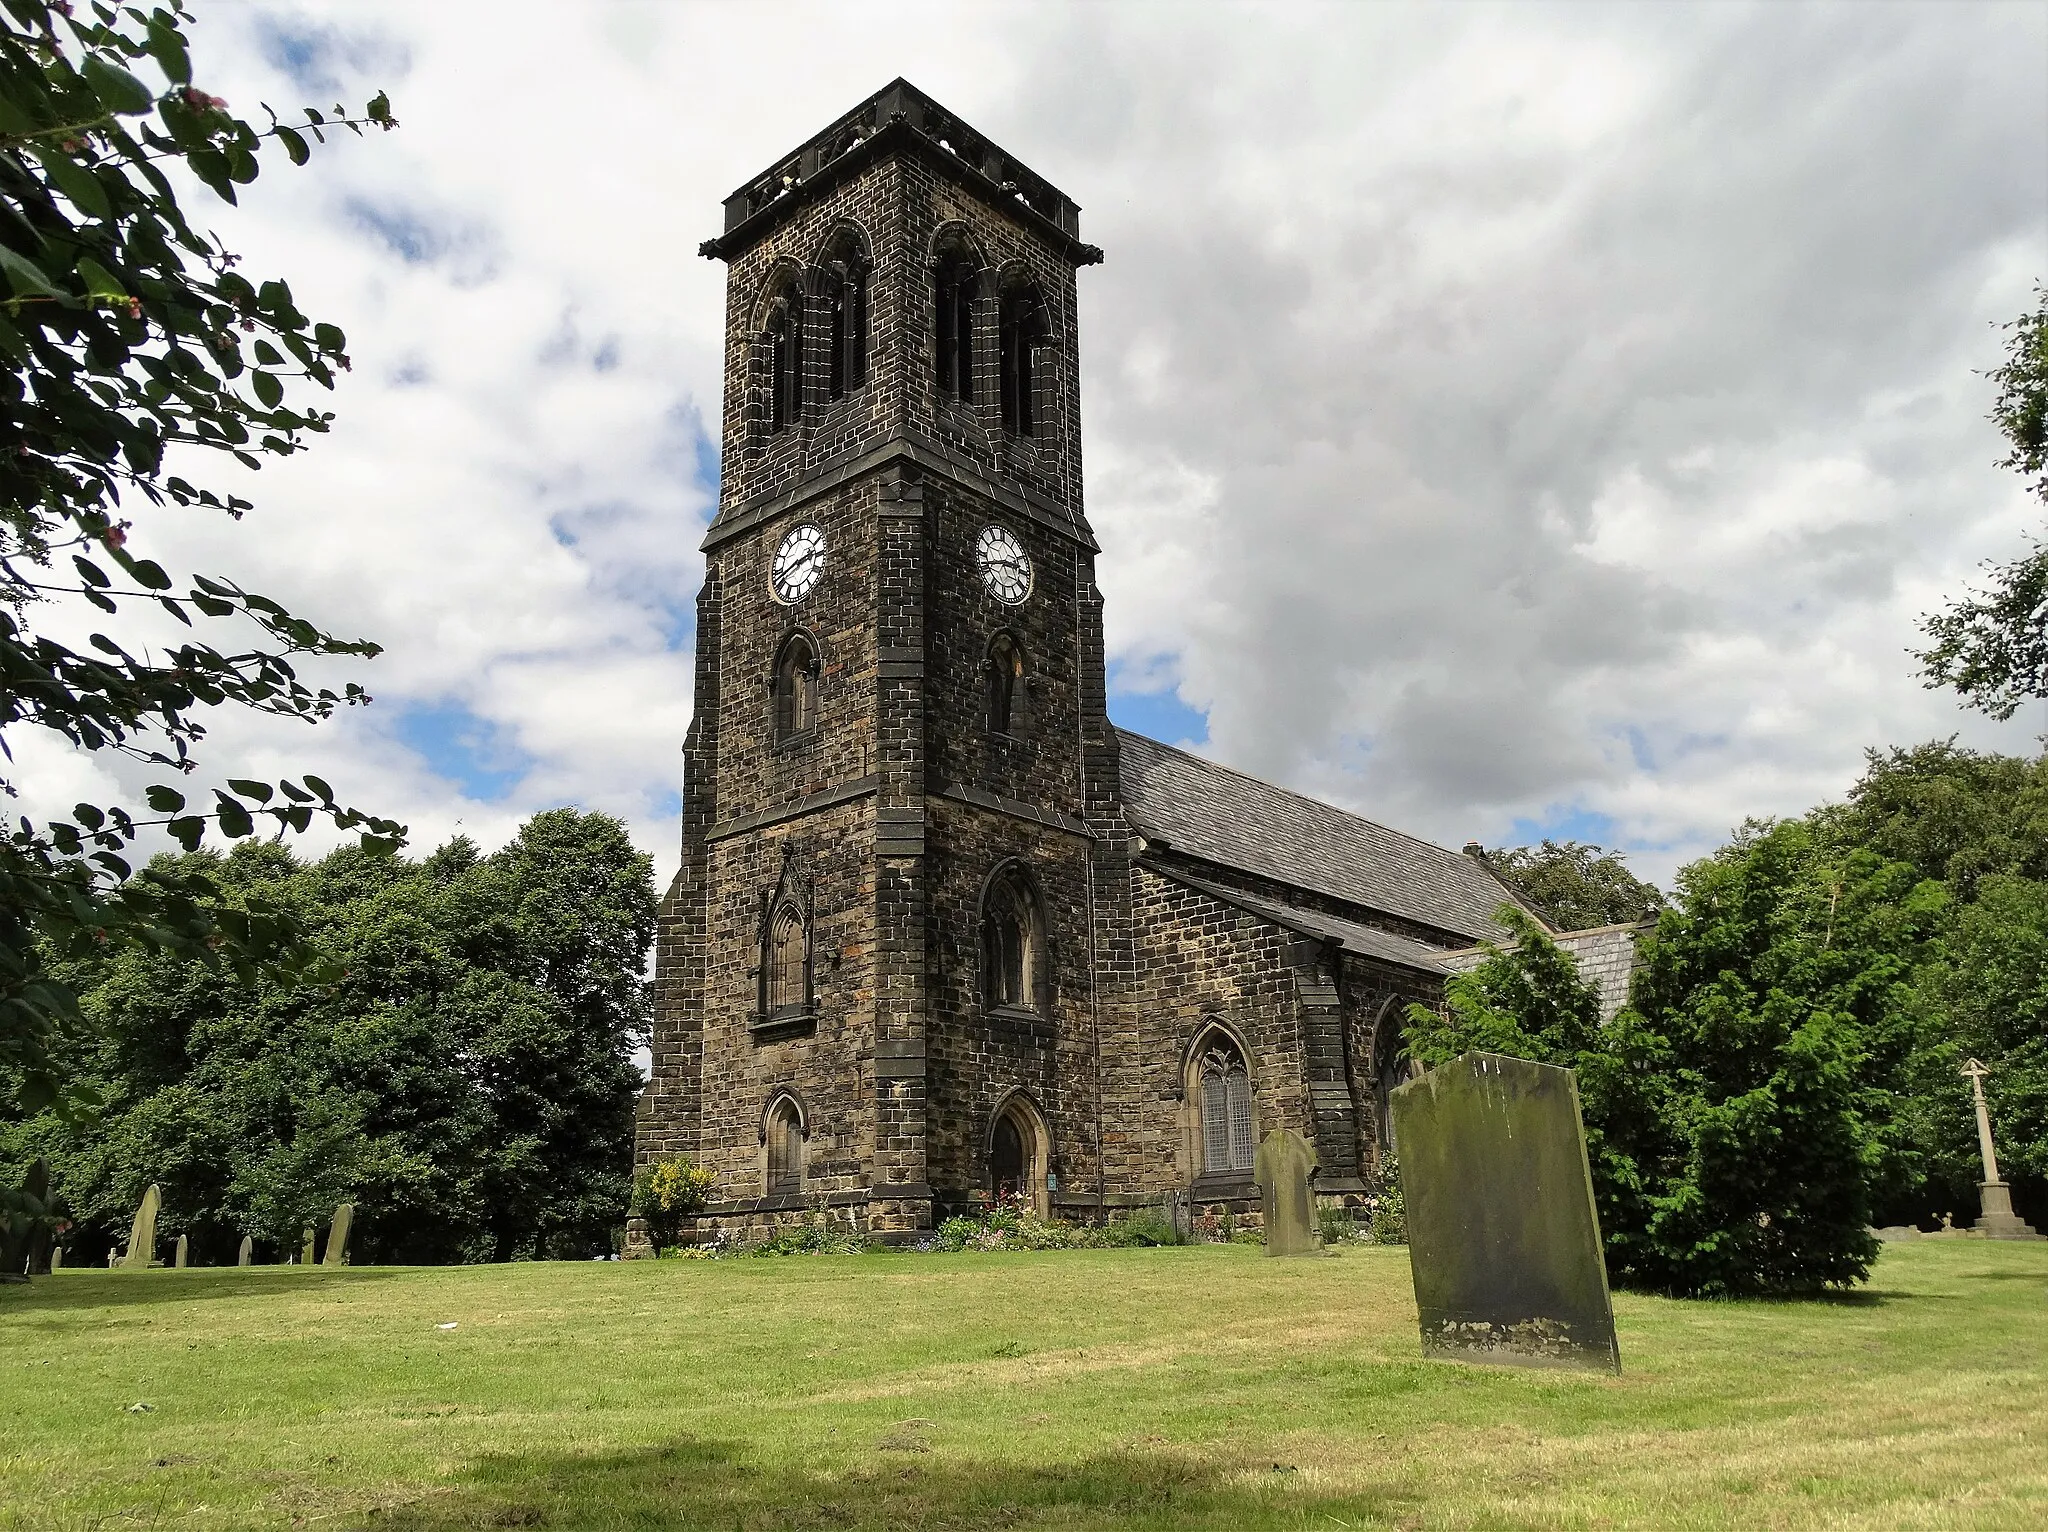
x=130, y=347
x=1577, y=886
x=465, y=1078
x=1992, y=646
x=1953, y=814
x=1745, y=1110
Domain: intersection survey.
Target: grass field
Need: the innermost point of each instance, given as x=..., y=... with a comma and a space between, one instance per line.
x=1202, y=1387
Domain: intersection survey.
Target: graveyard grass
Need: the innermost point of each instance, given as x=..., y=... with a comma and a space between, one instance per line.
x=1201, y=1387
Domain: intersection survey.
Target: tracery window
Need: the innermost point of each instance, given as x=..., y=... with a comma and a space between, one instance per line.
x=788, y=962
x=1021, y=334
x=953, y=322
x=1226, y=1096
x=784, y=1132
x=796, y=688
x=785, y=340
x=846, y=318
x=1012, y=944
x=1006, y=686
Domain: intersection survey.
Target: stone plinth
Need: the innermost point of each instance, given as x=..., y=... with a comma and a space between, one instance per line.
x=1998, y=1220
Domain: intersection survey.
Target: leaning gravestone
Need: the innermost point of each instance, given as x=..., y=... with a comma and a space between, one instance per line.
x=142, y=1236
x=337, y=1236
x=1281, y=1167
x=1503, y=1237
x=248, y=1249
x=179, y=1260
x=306, y=1254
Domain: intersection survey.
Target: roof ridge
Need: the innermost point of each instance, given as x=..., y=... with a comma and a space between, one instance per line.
x=1321, y=803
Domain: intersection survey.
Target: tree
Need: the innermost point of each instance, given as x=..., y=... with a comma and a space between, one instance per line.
x=128, y=340
x=1954, y=814
x=1748, y=1109
x=1992, y=646
x=464, y=1076
x=1576, y=886
x=1983, y=993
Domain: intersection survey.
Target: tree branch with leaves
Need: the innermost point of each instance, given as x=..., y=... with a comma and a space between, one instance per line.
x=128, y=337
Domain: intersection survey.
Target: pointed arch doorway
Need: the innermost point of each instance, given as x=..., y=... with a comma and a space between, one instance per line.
x=1019, y=1153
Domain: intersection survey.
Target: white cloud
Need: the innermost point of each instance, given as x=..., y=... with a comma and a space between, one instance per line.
x=1551, y=415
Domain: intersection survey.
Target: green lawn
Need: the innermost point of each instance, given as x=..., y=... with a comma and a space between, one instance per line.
x=1204, y=1387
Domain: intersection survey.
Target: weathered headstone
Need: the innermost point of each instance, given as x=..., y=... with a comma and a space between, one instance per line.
x=1994, y=1197
x=242, y=1258
x=142, y=1235
x=1503, y=1236
x=41, y=1222
x=179, y=1260
x=56, y=1258
x=306, y=1254
x=1174, y=1209
x=1281, y=1168
x=337, y=1236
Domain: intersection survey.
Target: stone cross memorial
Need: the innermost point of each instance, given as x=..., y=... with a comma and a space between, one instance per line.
x=1282, y=1166
x=142, y=1234
x=1503, y=1237
x=1994, y=1196
x=337, y=1236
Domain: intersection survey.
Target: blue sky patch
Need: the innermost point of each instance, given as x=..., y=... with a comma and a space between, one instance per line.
x=1159, y=715
x=1574, y=823
x=463, y=748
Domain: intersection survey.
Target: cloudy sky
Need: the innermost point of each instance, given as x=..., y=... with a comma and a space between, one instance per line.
x=1503, y=421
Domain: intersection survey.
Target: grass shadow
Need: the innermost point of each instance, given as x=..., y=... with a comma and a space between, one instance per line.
x=691, y=1482
x=72, y=1290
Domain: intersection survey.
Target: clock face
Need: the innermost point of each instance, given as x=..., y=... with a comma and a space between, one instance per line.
x=799, y=562
x=1005, y=567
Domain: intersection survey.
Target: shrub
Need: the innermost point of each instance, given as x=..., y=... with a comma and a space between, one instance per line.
x=668, y=1191
x=1386, y=1218
x=1336, y=1225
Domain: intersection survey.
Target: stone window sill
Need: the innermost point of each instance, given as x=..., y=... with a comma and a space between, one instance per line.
x=785, y=1022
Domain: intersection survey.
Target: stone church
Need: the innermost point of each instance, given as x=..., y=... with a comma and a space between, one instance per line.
x=942, y=929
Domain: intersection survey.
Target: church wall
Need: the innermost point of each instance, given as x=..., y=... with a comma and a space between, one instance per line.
x=974, y=1059
x=1198, y=958
x=828, y=858
x=1238, y=879
x=1376, y=996
x=754, y=462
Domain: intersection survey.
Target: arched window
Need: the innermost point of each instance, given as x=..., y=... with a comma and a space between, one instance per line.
x=953, y=285
x=846, y=317
x=1021, y=333
x=784, y=1131
x=796, y=688
x=1226, y=1101
x=1390, y=1069
x=1012, y=944
x=785, y=340
x=1007, y=694
x=788, y=962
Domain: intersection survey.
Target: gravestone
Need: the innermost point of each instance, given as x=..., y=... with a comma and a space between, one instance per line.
x=242, y=1258
x=1281, y=1167
x=56, y=1258
x=1174, y=1209
x=306, y=1254
x=41, y=1223
x=1503, y=1236
x=337, y=1236
x=142, y=1236
x=179, y=1260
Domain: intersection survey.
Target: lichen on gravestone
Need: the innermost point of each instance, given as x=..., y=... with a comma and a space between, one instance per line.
x=142, y=1235
x=337, y=1235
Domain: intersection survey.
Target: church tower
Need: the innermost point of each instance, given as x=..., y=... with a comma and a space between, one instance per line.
x=876, y=972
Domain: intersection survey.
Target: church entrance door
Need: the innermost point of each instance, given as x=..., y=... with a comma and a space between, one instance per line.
x=1008, y=1163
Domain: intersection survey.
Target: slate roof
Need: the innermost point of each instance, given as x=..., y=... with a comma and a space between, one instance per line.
x=1353, y=937
x=1208, y=811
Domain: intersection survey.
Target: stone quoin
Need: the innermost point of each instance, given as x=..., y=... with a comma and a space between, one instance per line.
x=941, y=929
